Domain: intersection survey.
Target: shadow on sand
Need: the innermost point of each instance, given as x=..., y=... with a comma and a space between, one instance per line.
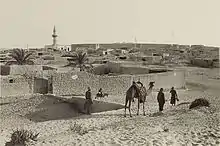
x=56, y=108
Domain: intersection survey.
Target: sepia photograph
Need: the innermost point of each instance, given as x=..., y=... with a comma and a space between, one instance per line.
x=109, y=73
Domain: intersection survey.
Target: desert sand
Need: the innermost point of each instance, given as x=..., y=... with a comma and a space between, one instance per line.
x=176, y=126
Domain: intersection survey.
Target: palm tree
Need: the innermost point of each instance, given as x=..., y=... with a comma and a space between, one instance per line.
x=20, y=57
x=79, y=59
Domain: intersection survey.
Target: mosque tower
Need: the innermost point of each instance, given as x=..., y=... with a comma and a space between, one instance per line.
x=54, y=35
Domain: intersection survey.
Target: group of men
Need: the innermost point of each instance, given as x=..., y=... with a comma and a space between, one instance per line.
x=89, y=102
x=160, y=99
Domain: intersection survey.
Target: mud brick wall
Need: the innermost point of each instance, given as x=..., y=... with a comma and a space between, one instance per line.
x=117, y=85
x=164, y=80
x=12, y=89
x=17, y=86
x=22, y=69
x=63, y=84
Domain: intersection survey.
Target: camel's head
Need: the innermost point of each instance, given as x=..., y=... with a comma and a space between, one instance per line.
x=151, y=84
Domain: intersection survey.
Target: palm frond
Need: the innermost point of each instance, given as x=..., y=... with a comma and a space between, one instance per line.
x=78, y=59
x=26, y=57
x=11, y=63
x=22, y=54
x=16, y=54
x=17, y=58
x=21, y=57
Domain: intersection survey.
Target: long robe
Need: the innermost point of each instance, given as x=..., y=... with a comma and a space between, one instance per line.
x=161, y=100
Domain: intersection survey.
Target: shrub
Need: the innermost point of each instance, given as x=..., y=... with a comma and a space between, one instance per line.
x=21, y=137
x=199, y=102
x=78, y=128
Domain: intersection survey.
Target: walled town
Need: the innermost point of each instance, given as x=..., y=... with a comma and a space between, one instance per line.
x=43, y=94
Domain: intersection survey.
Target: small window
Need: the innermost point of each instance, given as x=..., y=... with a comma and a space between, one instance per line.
x=11, y=81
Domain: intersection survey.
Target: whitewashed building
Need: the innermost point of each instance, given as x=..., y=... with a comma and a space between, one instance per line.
x=56, y=46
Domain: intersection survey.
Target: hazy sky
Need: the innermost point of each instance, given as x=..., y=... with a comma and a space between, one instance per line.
x=89, y=21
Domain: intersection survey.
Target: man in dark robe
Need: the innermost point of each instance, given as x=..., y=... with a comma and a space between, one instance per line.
x=88, y=102
x=173, y=96
x=161, y=99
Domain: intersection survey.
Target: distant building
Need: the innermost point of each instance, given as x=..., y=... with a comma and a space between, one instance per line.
x=64, y=48
x=74, y=47
x=107, y=51
x=56, y=46
x=166, y=54
x=204, y=62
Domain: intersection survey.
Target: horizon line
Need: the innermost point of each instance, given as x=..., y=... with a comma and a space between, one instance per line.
x=94, y=43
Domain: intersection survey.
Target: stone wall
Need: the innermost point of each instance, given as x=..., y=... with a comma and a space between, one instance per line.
x=63, y=84
x=5, y=70
x=14, y=89
x=134, y=70
x=14, y=85
x=16, y=79
x=164, y=80
x=201, y=62
x=22, y=69
x=119, y=68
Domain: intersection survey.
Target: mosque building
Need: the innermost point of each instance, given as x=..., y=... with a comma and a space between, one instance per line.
x=56, y=46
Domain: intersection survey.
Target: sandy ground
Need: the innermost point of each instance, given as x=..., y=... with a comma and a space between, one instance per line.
x=176, y=126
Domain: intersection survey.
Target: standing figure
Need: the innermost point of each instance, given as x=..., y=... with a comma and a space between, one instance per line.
x=173, y=96
x=88, y=102
x=161, y=99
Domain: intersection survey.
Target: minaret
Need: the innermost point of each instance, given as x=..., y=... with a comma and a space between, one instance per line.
x=97, y=46
x=54, y=35
x=135, y=42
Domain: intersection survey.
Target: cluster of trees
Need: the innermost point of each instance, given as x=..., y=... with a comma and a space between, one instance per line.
x=22, y=57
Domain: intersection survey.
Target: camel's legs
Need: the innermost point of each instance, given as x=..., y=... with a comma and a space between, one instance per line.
x=130, y=107
x=143, y=109
x=138, y=106
x=126, y=102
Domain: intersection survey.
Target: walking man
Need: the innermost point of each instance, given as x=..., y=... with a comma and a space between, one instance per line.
x=161, y=99
x=173, y=97
x=88, y=102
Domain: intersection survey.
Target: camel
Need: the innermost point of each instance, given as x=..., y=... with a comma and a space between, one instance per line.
x=137, y=92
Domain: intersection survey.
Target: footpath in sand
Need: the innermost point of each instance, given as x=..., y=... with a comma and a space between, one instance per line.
x=176, y=126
